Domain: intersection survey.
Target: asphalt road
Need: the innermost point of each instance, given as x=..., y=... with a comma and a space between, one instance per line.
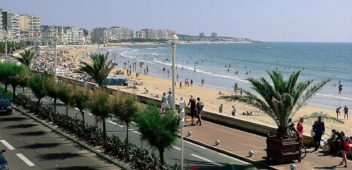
x=31, y=146
x=202, y=158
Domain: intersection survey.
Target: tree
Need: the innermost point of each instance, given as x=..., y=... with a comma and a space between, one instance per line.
x=80, y=99
x=281, y=99
x=159, y=131
x=100, y=108
x=125, y=109
x=53, y=89
x=37, y=85
x=15, y=77
x=5, y=73
x=27, y=57
x=99, y=69
x=23, y=79
x=64, y=94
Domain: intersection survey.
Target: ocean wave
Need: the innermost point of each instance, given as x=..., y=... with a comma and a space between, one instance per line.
x=334, y=96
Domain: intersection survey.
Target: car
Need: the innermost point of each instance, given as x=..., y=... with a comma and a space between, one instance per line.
x=5, y=105
x=3, y=161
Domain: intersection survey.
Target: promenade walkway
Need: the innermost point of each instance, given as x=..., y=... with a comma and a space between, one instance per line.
x=240, y=142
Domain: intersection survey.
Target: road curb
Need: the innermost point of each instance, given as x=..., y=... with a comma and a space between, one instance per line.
x=66, y=135
x=231, y=154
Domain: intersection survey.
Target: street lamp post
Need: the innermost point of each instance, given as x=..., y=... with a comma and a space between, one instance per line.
x=55, y=59
x=173, y=42
x=5, y=37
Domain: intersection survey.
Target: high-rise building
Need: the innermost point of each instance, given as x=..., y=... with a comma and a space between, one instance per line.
x=1, y=29
x=30, y=27
x=10, y=24
x=50, y=33
x=99, y=35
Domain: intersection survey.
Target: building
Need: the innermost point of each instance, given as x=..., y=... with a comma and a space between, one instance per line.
x=49, y=33
x=1, y=29
x=213, y=35
x=63, y=35
x=201, y=35
x=10, y=24
x=140, y=34
x=99, y=35
x=30, y=27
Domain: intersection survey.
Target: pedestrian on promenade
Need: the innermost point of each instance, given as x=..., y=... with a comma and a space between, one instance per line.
x=233, y=111
x=345, y=110
x=345, y=147
x=164, y=104
x=221, y=108
x=338, y=112
x=192, y=105
x=318, y=129
x=200, y=107
x=299, y=127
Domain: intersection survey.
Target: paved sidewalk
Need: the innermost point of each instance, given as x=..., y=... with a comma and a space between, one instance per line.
x=240, y=142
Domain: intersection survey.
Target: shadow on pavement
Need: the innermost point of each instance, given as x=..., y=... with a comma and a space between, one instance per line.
x=65, y=155
x=77, y=168
x=21, y=126
x=9, y=119
x=201, y=165
x=41, y=145
x=36, y=133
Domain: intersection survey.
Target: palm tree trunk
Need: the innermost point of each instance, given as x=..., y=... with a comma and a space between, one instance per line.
x=104, y=131
x=126, y=140
x=23, y=90
x=161, y=155
x=6, y=87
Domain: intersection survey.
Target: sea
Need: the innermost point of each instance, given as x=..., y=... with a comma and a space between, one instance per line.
x=223, y=65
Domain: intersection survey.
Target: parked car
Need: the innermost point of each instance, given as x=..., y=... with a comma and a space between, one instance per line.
x=3, y=161
x=5, y=105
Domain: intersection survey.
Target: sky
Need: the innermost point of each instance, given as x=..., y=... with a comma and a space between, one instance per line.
x=263, y=20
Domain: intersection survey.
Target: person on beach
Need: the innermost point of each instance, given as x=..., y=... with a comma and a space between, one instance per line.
x=191, y=82
x=164, y=104
x=318, y=129
x=340, y=88
x=345, y=110
x=200, y=107
x=180, y=84
x=233, y=112
x=202, y=82
x=338, y=112
x=170, y=98
x=345, y=147
x=221, y=107
x=235, y=88
x=192, y=105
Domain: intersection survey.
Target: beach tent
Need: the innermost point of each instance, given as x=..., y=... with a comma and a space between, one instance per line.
x=117, y=80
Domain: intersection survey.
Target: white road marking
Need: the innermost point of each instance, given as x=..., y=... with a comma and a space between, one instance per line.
x=205, y=159
x=177, y=148
x=4, y=142
x=25, y=159
x=238, y=160
x=114, y=123
x=136, y=132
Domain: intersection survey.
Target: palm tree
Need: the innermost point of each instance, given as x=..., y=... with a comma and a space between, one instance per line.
x=27, y=57
x=99, y=69
x=100, y=108
x=64, y=94
x=80, y=99
x=37, y=85
x=53, y=89
x=5, y=74
x=125, y=109
x=159, y=131
x=281, y=99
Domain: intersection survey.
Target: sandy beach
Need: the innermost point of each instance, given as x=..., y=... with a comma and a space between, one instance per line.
x=209, y=96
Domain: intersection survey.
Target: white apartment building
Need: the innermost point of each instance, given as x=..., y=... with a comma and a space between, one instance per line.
x=10, y=23
x=30, y=27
